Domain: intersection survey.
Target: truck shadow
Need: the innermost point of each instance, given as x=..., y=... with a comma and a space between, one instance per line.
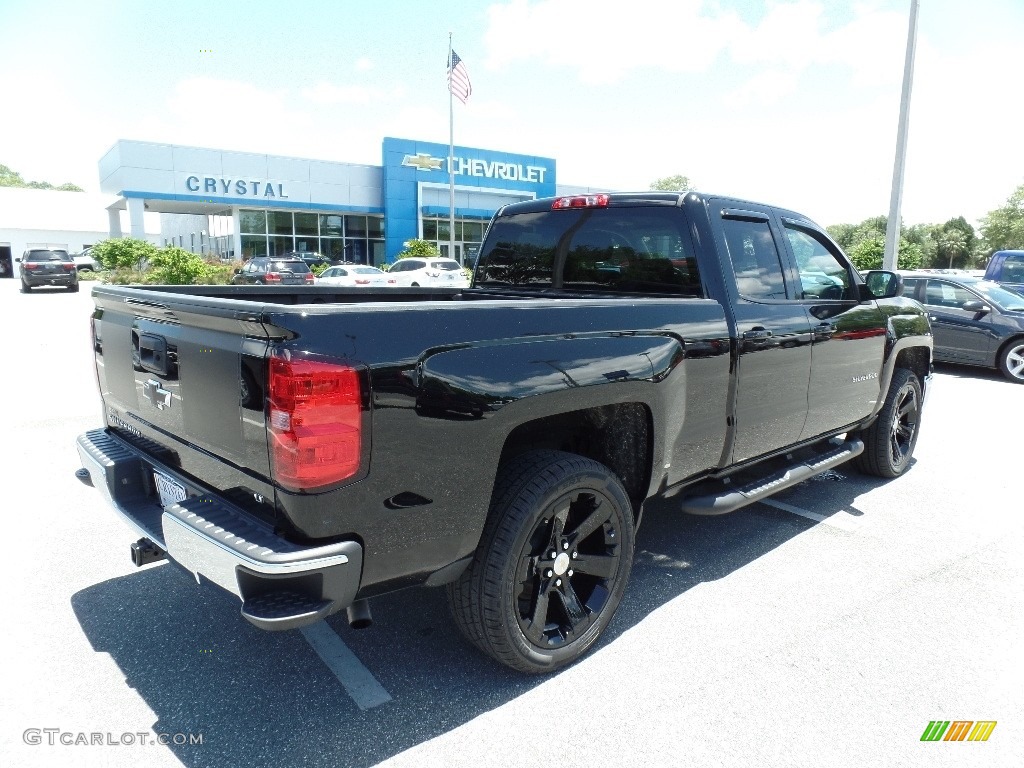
x=262, y=698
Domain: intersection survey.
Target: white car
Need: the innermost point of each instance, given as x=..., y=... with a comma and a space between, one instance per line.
x=355, y=275
x=437, y=272
x=85, y=262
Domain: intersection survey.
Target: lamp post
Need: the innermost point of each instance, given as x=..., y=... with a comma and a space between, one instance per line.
x=892, y=227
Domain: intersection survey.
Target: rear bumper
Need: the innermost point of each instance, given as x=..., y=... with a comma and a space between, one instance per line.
x=282, y=585
x=52, y=278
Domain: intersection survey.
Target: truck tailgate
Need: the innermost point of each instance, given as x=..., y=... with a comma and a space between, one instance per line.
x=187, y=374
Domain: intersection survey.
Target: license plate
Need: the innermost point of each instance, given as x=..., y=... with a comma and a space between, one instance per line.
x=171, y=492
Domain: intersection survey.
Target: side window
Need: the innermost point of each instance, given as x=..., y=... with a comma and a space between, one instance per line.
x=823, y=274
x=755, y=259
x=947, y=295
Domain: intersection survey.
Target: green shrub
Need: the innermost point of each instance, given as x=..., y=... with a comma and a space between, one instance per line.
x=422, y=249
x=123, y=253
x=176, y=266
x=219, y=273
x=318, y=269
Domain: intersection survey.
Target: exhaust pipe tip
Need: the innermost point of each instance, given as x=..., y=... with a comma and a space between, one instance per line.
x=358, y=615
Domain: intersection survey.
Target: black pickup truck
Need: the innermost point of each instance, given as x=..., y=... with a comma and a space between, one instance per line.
x=309, y=448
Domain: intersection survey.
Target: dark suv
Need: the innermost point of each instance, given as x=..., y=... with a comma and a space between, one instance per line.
x=264, y=270
x=47, y=266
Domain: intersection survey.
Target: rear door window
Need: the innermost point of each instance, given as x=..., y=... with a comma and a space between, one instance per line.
x=755, y=258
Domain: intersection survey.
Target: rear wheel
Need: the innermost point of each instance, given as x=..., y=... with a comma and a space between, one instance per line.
x=552, y=564
x=73, y=288
x=1011, y=361
x=25, y=287
x=889, y=442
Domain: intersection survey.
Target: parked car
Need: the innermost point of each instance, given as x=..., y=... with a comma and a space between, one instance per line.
x=263, y=270
x=1007, y=269
x=974, y=321
x=85, y=262
x=47, y=266
x=429, y=272
x=355, y=275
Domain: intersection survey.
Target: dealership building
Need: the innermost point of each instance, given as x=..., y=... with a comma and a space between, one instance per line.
x=242, y=204
x=236, y=205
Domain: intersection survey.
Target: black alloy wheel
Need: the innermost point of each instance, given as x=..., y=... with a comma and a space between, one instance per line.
x=552, y=563
x=889, y=442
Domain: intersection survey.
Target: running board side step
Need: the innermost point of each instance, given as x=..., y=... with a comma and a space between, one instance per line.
x=732, y=499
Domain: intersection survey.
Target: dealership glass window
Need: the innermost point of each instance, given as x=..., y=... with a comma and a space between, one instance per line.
x=355, y=226
x=377, y=253
x=333, y=248
x=254, y=245
x=307, y=244
x=306, y=224
x=331, y=225
x=279, y=223
x=253, y=222
x=280, y=245
x=374, y=226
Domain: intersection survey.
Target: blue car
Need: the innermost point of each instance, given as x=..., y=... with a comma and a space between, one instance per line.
x=1007, y=269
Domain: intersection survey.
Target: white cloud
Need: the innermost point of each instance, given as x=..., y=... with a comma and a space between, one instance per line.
x=363, y=64
x=330, y=93
x=604, y=40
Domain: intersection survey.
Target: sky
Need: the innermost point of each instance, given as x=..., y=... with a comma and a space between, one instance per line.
x=794, y=103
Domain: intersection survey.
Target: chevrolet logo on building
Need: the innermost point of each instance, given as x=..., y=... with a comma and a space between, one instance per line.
x=423, y=162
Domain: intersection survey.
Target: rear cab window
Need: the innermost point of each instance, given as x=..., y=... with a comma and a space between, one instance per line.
x=47, y=255
x=297, y=266
x=620, y=249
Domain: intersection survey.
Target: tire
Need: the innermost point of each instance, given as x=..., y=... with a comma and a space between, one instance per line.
x=529, y=610
x=73, y=288
x=25, y=288
x=889, y=442
x=1011, y=361
x=414, y=285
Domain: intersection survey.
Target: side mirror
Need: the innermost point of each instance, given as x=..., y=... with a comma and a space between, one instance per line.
x=238, y=270
x=978, y=307
x=18, y=258
x=882, y=284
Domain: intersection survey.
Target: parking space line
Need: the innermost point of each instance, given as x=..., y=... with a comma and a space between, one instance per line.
x=357, y=680
x=840, y=520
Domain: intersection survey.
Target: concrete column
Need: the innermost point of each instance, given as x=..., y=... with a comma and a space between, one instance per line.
x=114, y=216
x=236, y=225
x=136, y=207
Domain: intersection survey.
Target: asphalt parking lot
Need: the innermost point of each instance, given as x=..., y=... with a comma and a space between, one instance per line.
x=827, y=627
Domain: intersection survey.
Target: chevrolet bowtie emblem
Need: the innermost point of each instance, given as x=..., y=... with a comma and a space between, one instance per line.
x=156, y=394
x=423, y=162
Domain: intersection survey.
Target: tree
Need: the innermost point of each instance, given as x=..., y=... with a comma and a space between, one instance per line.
x=677, y=183
x=867, y=254
x=1003, y=228
x=9, y=178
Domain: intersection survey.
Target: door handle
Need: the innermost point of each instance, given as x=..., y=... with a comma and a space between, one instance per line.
x=824, y=329
x=757, y=333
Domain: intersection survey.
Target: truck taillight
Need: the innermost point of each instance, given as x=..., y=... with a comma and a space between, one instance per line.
x=310, y=277
x=580, y=201
x=315, y=422
x=68, y=266
x=29, y=265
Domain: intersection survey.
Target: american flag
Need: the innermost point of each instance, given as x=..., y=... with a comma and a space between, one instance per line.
x=458, y=78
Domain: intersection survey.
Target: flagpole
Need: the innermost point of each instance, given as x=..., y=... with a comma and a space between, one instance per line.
x=451, y=158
